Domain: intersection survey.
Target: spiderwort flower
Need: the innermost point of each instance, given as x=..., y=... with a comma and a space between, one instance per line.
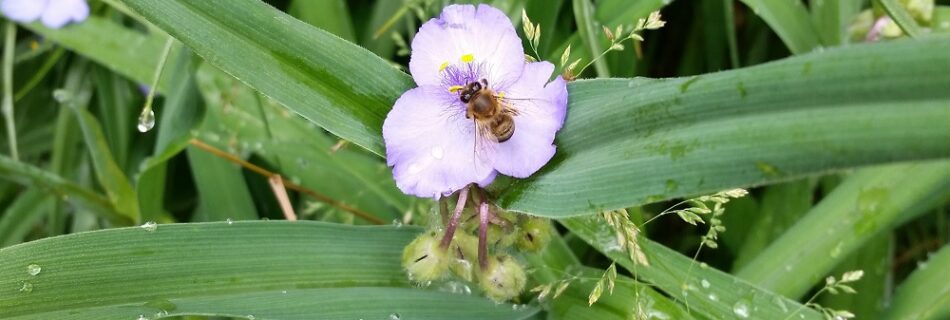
x=433, y=143
x=53, y=13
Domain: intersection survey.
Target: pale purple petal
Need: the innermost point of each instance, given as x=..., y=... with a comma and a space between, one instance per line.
x=60, y=12
x=484, y=33
x=541, y=108
x=24, y=11
x=430, y=144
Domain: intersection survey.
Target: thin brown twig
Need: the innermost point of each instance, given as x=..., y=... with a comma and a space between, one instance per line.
x=278, y=185
x=290, y=185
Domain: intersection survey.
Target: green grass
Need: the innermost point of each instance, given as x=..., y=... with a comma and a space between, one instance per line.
x=842, y=145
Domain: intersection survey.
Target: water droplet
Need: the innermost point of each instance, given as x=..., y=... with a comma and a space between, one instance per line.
x=149, y=226
x=393, y=316
x=26, y=287
x=703, y=265
x=303, y=163
x=142, y=317
x=284, y=292
x=705, y=284
x=250, y=317
x=146, y=120
x=33, y=269
x=397, y=223
x=741, y=309
x=713, y=297
x=437, y=152
x=230, y=221
x=61, y=95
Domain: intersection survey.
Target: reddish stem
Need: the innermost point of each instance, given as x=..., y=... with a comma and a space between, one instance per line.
x=483, y=235
x=454, y=222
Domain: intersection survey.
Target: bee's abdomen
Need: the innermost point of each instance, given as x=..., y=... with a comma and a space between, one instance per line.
x=503, y=126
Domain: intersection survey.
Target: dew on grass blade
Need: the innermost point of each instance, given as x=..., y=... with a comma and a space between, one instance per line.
x=33, y=269
x=146, y=120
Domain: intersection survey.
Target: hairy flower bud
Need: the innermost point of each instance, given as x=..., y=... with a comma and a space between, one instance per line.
x=424, y=260
x=503, y=278
x=534, y=235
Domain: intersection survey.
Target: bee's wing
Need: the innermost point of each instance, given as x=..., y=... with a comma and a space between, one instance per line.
x=484, y=147
x=516, y=106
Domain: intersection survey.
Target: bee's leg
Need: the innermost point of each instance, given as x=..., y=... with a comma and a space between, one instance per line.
x=483, y=235
x=454, y=222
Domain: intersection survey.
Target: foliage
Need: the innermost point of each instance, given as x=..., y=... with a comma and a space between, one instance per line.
x=831, y=114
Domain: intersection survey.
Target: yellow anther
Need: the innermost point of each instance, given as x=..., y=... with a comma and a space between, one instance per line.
x=468, y=58
x=453, y=89
x=501, y=94
x=443, y=66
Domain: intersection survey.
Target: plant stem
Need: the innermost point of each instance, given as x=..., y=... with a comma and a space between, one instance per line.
x=454, y=222
x=156, y=76
x=8, y=50
x=290, y=185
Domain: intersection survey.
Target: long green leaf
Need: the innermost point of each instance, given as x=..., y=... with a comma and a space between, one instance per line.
x=230, y=269
x=790, y=20
x=710, y=292
x=556, y=264
x=628, y=301
x=333, y=83
x=123, y=50
x=874, y=289
x=22, y=215
x=110, y=176
x=782, y=205
x=590, y=33
x=629, y=142
x=902, y=17
x=926, y=293
x=871, y=201
x=75, y=194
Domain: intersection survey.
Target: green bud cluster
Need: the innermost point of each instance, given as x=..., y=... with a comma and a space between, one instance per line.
x=503, y=277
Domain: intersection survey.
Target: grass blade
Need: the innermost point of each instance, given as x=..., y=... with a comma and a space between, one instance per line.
x=77, y=195
x=333, y=83
x=630, y=142
x=199, y=268
x=329, y=15
x=590, y=34
x=790, y=20
x=871, y=201
x=902, y=17
x=125, y=51
x=926, y=293
x=710, y=292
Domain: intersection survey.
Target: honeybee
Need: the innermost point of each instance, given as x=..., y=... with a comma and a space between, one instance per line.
x=492, y=116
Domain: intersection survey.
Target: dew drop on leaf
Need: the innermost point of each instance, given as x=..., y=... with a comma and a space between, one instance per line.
x=149, y=226
x=705, y=284
x=146, y=120
x=33, y=269
x=26, y=287
x=741, y=309
x=393, y=316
